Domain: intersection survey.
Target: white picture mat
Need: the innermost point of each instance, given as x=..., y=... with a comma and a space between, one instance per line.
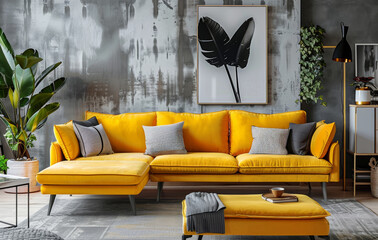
x=213, y=83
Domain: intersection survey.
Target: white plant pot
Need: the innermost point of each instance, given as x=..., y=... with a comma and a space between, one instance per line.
x=363, y=96
x=374, y=181
x=24, y=169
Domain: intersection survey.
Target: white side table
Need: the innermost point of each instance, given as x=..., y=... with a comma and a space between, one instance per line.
x=9, y=181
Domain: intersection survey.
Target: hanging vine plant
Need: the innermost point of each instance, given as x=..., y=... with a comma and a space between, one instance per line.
x=312, y=64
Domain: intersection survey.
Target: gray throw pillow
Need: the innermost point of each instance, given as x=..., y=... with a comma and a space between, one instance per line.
x=165, y=139
x=269, y=141
x=300, y=138
x=93, y=140
x=87, y=123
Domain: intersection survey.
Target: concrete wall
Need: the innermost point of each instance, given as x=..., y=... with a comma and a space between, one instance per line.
x=129, y=56
x=361, y=17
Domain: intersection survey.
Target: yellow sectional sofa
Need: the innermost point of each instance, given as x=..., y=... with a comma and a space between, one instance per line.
x=217, y=143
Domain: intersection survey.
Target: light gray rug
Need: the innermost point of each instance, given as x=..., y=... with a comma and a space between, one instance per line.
x=111, y=218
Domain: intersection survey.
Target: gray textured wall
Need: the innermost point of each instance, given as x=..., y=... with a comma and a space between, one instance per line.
x=129, y=56
x=362, y=18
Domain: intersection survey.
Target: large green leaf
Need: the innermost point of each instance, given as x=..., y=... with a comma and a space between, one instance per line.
x=42, y=123
x=39, y=116
x=55, y=86
x=29, y=58
x=37, y=102
x=10, y=125
x=24, y=81
x=4, y=42
x=45, y=73
x=3, y=86
x=24, y=101
x=6, y=58
x=32, y=52
x=6, y=64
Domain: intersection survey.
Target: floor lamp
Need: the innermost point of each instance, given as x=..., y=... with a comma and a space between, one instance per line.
x=343, y=53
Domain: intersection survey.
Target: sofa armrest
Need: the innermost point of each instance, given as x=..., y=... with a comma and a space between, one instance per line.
x=334, y=159
x=56, y=154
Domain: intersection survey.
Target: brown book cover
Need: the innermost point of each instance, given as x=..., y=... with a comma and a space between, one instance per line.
x=284, y=198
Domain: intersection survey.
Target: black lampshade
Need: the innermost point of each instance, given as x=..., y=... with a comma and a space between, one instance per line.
x=343, y=52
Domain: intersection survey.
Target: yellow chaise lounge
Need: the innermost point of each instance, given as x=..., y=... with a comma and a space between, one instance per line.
x=217, y=143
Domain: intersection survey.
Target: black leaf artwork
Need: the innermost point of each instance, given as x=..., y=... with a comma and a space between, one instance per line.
x=213, y=40
x=219, y=50
x=238, y=48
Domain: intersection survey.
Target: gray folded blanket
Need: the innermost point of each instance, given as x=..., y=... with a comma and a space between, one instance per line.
x=204, y=213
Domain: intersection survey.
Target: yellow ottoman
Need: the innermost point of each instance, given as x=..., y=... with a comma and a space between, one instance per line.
x=102, y=177
x=251, y=215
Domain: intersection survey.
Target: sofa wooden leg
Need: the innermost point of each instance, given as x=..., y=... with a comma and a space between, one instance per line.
x=132, y=203
x=324, y=188
x=184, y=237
x=309, y=188
x=51, y=203
x=312, y=237
x=159, y=190
x=200, y=237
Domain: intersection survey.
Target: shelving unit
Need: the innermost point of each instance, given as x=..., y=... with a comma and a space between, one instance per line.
x=363, y=139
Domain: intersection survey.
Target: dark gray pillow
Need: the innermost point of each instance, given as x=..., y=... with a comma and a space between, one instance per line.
x=88, y=123
x=165, y=139
x=300, y=138
x=92, y=140
x=269, y=141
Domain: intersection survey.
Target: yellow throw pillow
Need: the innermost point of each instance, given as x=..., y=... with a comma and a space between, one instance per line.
x=125, y=131
x=241, y=123
x=67, y=140
x=204, y=132
x=322, y=139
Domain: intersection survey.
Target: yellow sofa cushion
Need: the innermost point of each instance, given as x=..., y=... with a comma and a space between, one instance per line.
x=241, y=123
x=206, y=132
x=195, y=162
x=120, y=157
x=253, y=206
x=95, y=190
x=322, y=139
x=91, y=172
x=125, y=131
x=265, y=163
x=66, y=137
x=270, y=227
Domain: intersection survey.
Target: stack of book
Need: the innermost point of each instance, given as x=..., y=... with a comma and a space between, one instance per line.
x=283, y=199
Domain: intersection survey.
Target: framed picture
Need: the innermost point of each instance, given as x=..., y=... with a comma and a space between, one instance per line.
x=232, y=55
x=367, y=61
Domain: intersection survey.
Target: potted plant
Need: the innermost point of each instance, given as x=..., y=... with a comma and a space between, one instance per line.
x=374, y=177
x=3, y=164
x=24, y=106
x=312, y=64
x=363, y=88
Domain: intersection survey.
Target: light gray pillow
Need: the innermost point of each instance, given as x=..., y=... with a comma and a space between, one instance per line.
x=93, y=140
x=269, y=141
x=165, y=139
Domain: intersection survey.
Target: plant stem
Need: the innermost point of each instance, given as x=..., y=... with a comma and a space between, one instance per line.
x=237, y=82
x=232, y=85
